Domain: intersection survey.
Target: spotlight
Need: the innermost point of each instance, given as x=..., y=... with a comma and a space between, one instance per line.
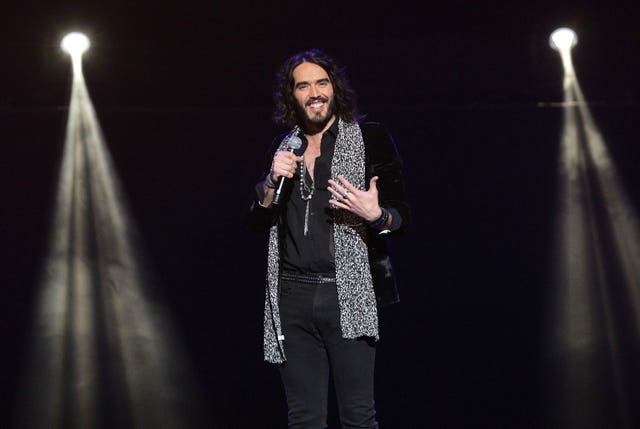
x=598, y=301
x=563, y=39
x=75, y=44
x=103, y=352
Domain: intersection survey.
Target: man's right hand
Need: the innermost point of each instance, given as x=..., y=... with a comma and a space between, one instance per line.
x=284, y=164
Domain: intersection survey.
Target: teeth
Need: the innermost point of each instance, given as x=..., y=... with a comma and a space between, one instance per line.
x=316, y=104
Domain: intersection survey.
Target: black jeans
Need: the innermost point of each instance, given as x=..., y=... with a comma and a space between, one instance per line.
x=313, y=345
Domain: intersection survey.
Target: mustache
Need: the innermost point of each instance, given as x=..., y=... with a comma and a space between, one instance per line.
x=316, y=99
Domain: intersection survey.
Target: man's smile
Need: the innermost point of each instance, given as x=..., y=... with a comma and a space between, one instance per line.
x=317, y=105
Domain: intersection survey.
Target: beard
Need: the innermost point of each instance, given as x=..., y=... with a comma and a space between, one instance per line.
x=316, y=120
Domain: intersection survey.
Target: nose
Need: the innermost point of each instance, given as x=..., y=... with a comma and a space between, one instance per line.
x=314, y=91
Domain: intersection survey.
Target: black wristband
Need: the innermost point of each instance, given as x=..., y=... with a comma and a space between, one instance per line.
x=381, y=222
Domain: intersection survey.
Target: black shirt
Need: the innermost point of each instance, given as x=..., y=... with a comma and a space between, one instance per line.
x=382, y=160
x=313, y=252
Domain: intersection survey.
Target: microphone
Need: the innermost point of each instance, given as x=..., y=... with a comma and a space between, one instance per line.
x=293, y=143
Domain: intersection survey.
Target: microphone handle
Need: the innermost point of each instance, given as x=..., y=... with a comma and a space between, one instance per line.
x=278, y=194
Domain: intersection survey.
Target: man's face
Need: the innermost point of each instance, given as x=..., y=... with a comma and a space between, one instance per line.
x=313, y=92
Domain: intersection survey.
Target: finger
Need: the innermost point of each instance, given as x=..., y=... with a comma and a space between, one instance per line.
x=336, y=203
x=285, y=157
x=373, y=184
x=335, y=193
x=288, y=156
x=292, y=157
x=287, y=174
x=285, y=164
x=339, y=193
x=335, y=186
x=286, y=171
x=347, y=185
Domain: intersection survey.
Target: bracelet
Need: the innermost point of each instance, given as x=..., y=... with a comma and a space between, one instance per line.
x=270, y=183
x=381, y=222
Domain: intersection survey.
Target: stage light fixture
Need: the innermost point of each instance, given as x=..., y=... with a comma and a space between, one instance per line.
x=75, y=43
x=563, y=39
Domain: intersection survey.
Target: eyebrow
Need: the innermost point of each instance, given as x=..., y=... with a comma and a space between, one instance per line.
x=304, y=82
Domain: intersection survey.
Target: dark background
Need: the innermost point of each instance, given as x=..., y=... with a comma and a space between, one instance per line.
x=183, y=94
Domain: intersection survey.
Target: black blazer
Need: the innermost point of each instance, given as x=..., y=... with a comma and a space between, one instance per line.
x=383, y=160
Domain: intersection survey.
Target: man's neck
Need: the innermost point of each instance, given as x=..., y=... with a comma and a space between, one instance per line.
x=314, y=133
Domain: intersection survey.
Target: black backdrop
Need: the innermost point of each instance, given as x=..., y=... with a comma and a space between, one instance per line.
x=185, y=111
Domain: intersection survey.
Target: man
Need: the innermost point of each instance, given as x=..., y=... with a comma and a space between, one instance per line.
x=328, y=268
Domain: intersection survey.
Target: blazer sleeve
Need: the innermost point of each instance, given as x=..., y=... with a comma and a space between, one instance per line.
x=260, y=218
x=383, y=160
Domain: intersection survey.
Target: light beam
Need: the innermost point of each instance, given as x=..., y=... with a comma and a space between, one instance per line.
x=598, y=269
x=104, y=353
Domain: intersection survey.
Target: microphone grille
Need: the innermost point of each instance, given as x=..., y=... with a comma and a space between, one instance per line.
x=294, y=142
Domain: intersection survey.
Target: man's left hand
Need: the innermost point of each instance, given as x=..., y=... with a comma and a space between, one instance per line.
x=348, y=197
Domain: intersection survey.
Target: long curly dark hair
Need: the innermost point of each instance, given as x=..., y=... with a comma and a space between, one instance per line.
x=344, y=96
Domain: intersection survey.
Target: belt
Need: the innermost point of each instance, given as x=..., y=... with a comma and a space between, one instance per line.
x=308, y=278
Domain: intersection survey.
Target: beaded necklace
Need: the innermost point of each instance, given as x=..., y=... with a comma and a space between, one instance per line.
x=306, y=192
